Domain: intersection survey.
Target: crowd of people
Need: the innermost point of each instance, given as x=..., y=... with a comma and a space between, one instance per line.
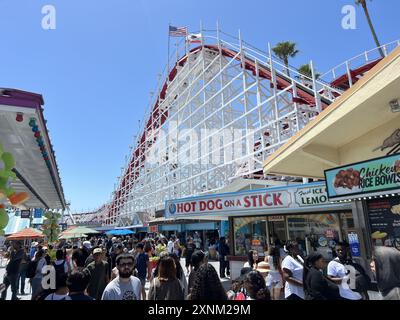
x=312, y=278
x=119, y=268
x=106, y=269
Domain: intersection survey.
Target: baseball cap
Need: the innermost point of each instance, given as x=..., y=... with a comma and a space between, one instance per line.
x=97, y=250
x=87, y=244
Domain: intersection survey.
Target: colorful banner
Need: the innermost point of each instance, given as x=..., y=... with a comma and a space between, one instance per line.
x=251, y=201
x=354, y=244
x=364, y=178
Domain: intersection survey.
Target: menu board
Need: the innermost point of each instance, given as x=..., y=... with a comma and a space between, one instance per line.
x=384, y=218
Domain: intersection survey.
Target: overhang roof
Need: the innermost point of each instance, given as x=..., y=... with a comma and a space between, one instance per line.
x=40, y=180
x=348, y=130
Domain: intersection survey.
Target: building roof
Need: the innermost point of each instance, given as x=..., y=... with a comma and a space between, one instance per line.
x=36, y=166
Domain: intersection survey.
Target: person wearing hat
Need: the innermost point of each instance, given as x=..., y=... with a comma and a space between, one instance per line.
x=99, y=275
x=33, y=250
x=263, y=268
x=86, y=249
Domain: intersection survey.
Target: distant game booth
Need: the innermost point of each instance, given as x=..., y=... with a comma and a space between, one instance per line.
x=29, y=175
x=354, y=145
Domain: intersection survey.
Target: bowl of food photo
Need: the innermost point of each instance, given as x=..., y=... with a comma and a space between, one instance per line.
x=347, y=181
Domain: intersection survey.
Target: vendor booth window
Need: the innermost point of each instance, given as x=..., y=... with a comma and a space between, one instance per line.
x=250, y=234
x=315, y=232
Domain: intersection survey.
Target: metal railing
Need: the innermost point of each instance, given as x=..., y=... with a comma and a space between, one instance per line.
x=358, y=61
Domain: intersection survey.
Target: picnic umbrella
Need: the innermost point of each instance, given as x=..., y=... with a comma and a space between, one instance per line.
x=27, y=233
x=119, y=232
x=71, y=236
x=67, y=230
x=78, y=232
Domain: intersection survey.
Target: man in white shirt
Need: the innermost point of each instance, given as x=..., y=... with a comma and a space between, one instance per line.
x=125, y=286
x=170, y=245
x=292, y=269
x=339, y=274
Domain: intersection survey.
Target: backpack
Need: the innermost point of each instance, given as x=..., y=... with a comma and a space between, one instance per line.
x=31, y=269
x=60, y=269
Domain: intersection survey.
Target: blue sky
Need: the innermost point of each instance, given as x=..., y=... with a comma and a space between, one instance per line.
x=97, y=68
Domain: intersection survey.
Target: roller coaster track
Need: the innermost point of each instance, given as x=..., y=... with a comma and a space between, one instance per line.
x=310, y=93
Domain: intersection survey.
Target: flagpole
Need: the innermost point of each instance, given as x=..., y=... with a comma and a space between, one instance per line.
x=177, y=50
x=201, y=34
x=169, y=25
x=187, y=43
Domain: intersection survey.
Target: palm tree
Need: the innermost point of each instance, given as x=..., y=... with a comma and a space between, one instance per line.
x=363, y=3
x=305, y=75
x=306, y=70
x=284, y=50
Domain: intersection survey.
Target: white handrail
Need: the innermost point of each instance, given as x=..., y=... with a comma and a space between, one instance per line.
x=364, y=55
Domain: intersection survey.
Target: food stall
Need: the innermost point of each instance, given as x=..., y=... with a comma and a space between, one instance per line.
x=354, y=145
x=261, y=217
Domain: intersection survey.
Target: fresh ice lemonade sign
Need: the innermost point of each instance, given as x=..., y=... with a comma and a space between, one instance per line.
x=364, y=178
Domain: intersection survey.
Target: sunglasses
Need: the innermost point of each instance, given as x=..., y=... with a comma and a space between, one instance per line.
x=129, y=264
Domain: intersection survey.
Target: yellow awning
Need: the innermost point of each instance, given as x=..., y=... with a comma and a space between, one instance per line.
x=348, y=130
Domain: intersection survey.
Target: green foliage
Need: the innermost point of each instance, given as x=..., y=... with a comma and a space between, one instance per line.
x=306, y=70
x=285, y=49
x=51, y=228
x=3, y=218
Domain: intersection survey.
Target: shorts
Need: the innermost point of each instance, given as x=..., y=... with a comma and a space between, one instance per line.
x=276, y=284
x=274, y=280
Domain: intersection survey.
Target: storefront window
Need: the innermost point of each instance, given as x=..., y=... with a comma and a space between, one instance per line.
x=250, y=234
x=315, y=232
x=384, y=219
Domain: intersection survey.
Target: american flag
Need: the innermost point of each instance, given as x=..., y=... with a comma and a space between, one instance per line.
x=177, y=31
